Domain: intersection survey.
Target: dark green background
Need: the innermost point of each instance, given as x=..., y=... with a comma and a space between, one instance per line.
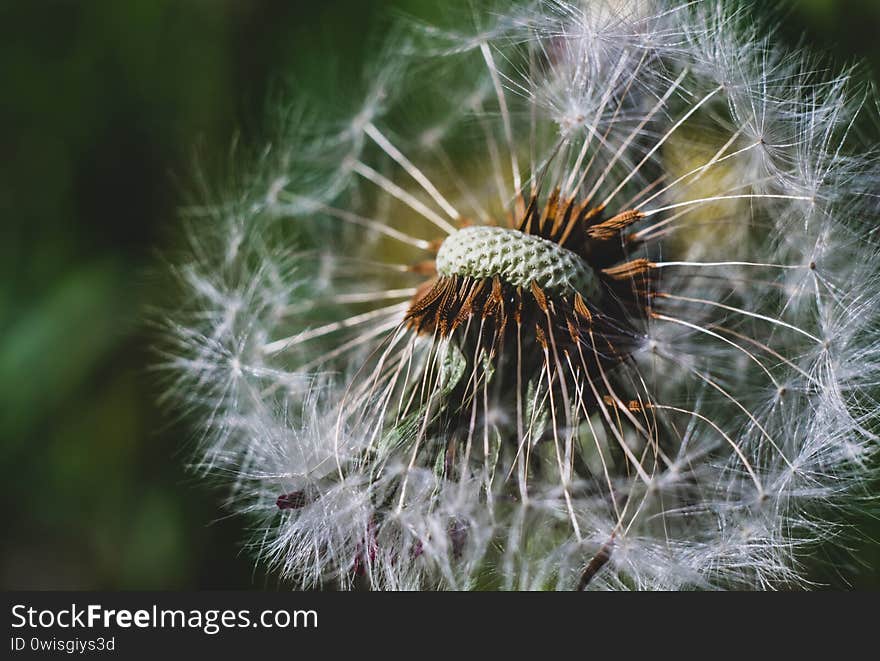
x=105, y=106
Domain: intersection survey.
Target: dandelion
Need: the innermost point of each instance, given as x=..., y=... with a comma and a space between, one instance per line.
x=582, y=296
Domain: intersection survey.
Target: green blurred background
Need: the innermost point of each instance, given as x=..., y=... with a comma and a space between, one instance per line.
x=105, y=106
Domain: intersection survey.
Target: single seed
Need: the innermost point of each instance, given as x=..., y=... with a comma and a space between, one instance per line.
x=291, y=501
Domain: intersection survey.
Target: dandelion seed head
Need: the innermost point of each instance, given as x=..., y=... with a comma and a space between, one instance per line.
x=600, y=313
